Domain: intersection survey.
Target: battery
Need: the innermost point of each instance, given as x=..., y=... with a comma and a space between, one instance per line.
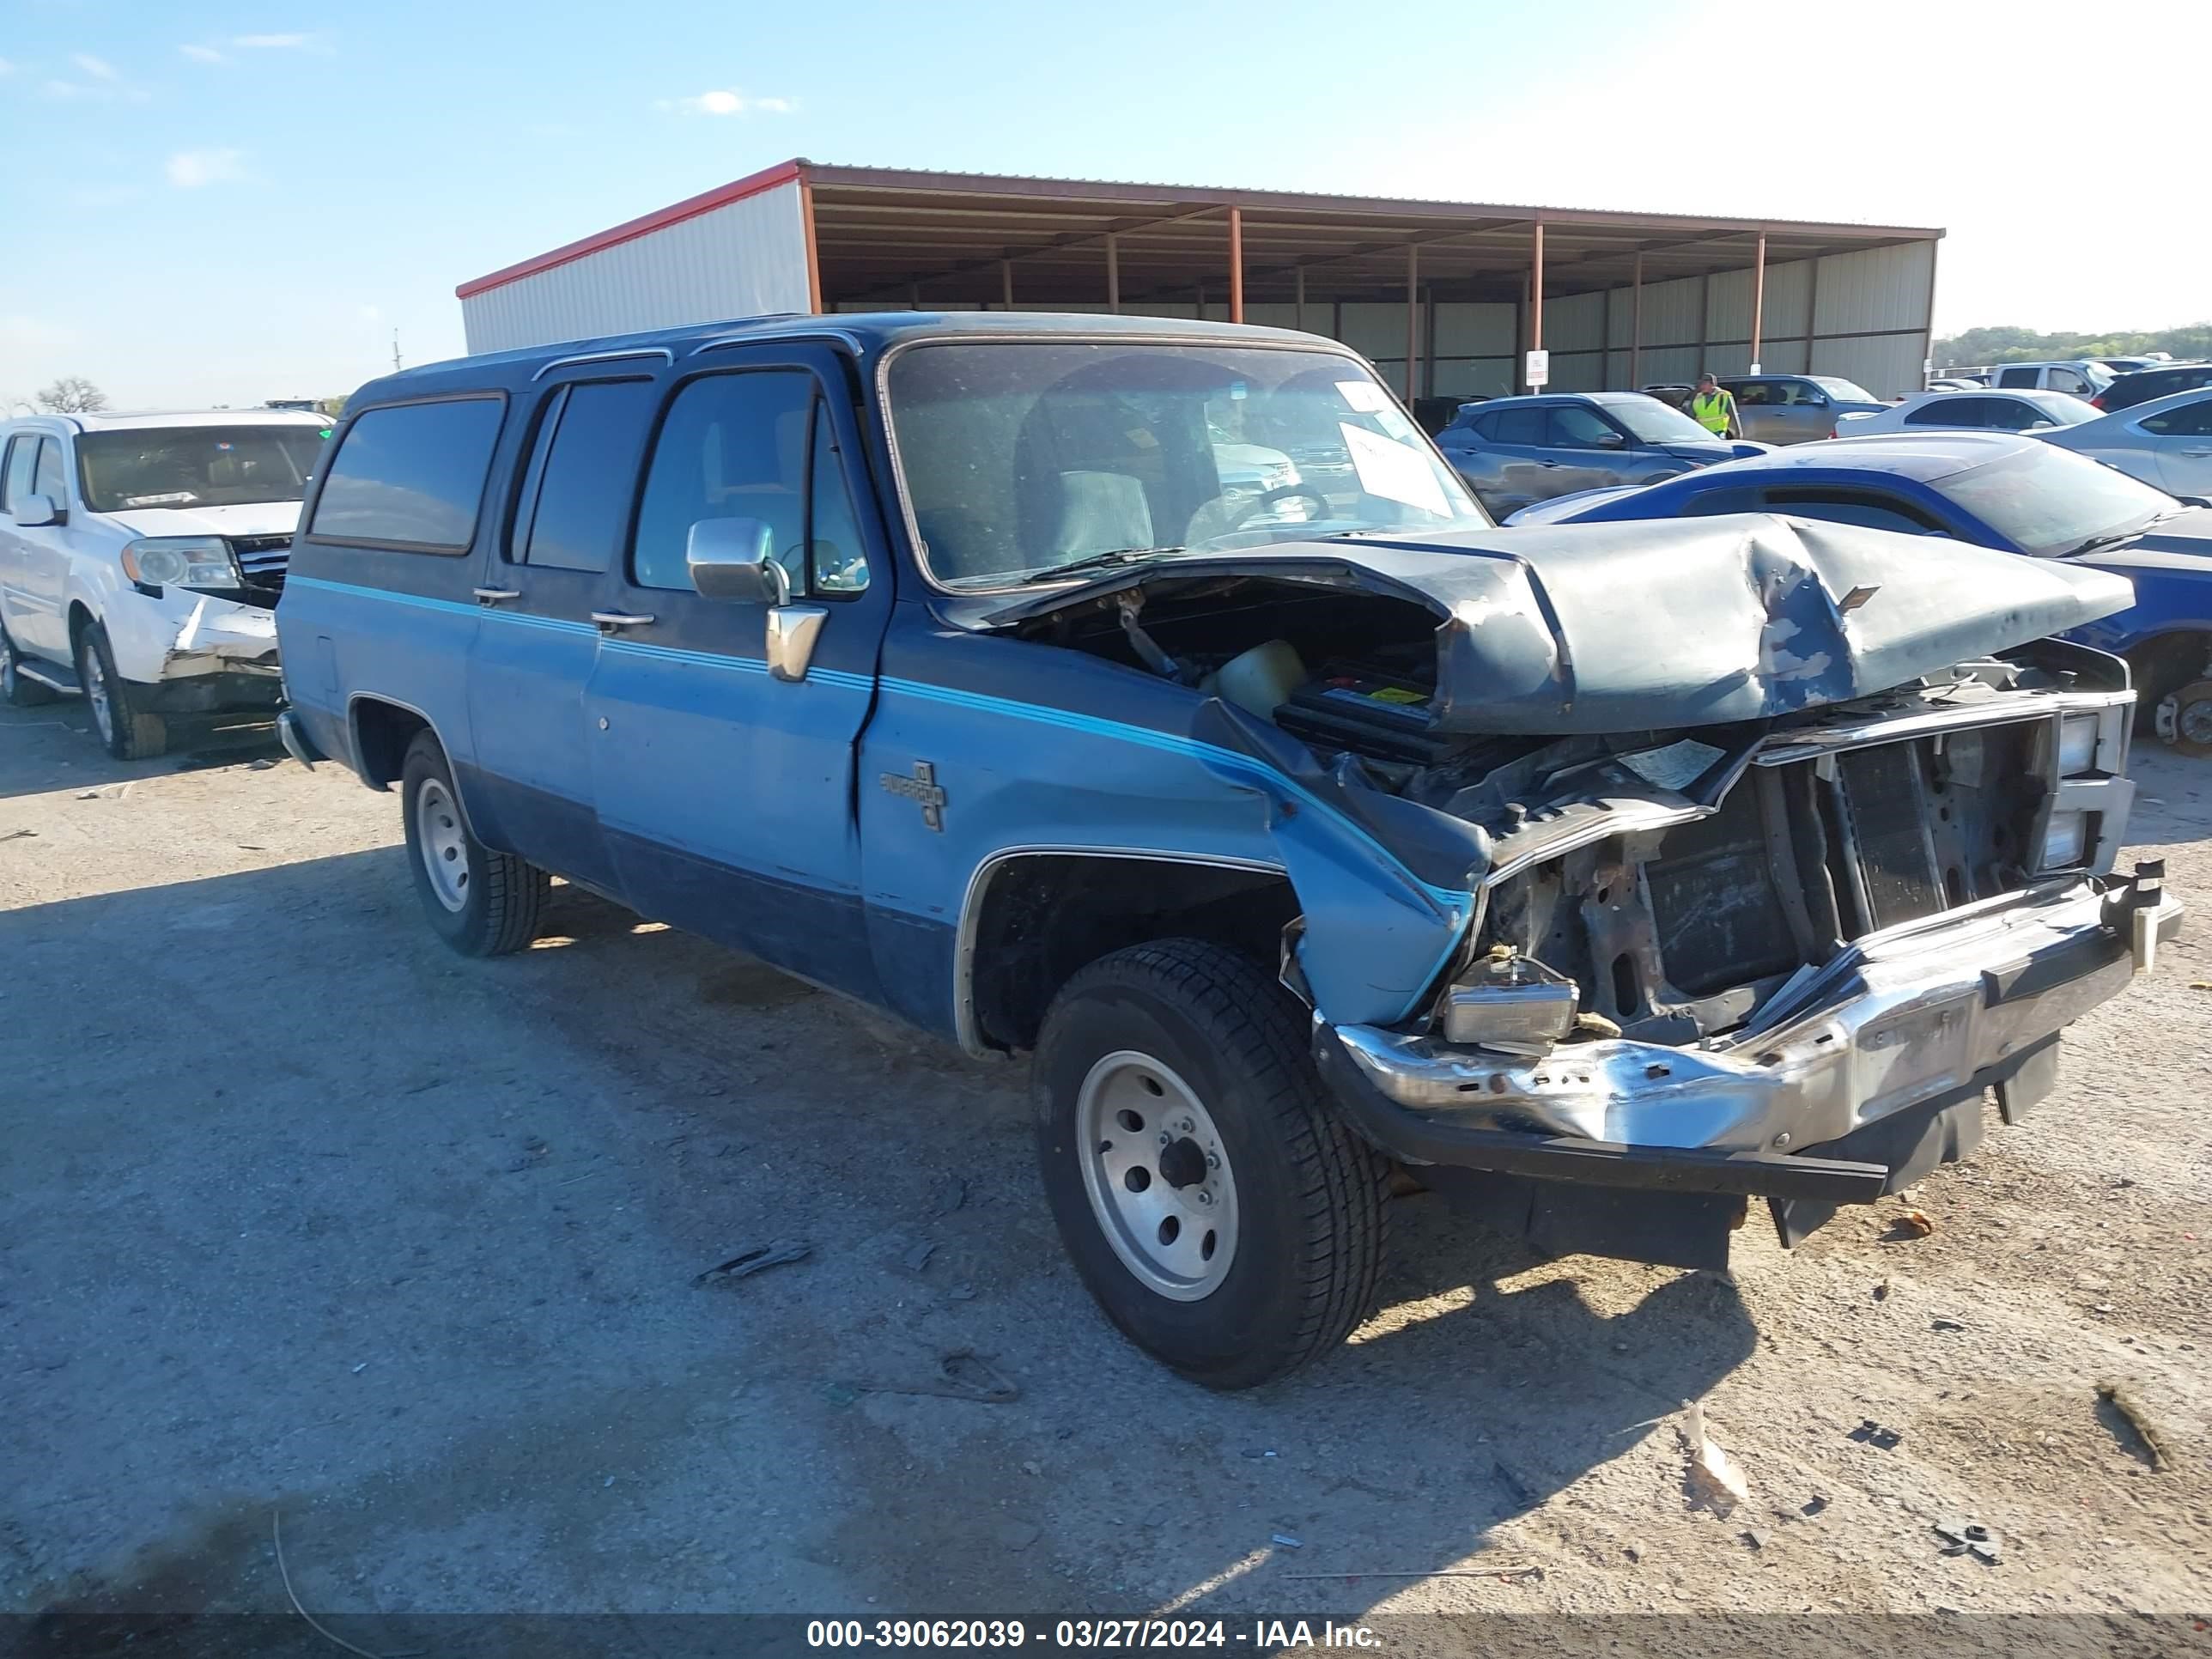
x=1366, y=709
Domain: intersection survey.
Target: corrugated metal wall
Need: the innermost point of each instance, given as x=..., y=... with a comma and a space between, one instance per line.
x=745, y=259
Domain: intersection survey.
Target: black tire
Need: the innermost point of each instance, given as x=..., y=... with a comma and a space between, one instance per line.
x=501, y=897
x=15, y=689
x=1309, y=1193
x=128, y=731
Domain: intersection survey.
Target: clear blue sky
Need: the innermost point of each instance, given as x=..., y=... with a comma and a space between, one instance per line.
x=240, y=199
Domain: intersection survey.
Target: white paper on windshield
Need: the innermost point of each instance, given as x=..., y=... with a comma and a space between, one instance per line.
x=1364, y=396
x=1397, y=472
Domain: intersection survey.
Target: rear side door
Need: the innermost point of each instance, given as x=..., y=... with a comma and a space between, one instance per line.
x=17, y=462
x=1759, y=411
x=2181, y=441
x=537, y=645
x=726, y=794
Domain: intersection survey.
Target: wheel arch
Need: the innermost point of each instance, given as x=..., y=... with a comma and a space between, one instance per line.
x=1093, y=901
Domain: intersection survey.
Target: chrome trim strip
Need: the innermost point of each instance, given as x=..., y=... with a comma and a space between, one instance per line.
x=971, y=908
x=661, y=352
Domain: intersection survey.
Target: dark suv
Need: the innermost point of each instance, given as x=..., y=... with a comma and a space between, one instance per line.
x=2148, y=383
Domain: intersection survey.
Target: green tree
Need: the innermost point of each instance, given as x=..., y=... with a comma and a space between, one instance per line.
x=2005, y=345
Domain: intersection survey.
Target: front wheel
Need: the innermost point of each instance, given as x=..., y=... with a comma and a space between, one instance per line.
x=128, y=731
x=1224, y=1216
x=482, y=903
x=2192, y=719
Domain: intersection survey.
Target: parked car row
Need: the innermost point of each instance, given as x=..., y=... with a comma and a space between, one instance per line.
x=1153, y=698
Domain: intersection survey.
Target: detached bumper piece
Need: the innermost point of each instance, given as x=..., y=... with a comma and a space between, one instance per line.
x=1869, y=1074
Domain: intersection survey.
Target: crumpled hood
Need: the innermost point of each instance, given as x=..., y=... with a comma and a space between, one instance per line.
x=247, y=518
x=1597, y=627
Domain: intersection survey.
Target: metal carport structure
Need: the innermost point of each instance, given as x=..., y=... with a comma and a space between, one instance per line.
x=1445, y=296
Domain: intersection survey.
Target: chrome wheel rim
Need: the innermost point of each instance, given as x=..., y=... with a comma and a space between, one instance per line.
x=95, y=691
x=443, y=844
x=1158, y=1176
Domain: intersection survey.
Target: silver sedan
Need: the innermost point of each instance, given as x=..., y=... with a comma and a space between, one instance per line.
x=1978, y=410
x=2166, y=442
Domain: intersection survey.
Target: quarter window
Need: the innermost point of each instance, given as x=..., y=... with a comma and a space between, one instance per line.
x=410, y=476
x=746, y=446
x=578, y=493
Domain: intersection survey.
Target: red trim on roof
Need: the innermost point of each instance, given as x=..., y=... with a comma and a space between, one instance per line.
x=690, y=207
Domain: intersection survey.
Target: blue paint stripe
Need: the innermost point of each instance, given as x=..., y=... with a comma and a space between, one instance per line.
x=836, y=677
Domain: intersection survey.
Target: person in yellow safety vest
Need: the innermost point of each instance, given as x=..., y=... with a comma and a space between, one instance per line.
x=1712, y=409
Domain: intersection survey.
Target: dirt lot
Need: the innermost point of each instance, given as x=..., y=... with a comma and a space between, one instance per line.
x=303, y=1212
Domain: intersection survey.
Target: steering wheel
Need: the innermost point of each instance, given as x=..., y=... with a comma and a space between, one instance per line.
x=1281, y=492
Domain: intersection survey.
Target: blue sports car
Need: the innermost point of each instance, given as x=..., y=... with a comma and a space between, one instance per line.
x=1993, y=489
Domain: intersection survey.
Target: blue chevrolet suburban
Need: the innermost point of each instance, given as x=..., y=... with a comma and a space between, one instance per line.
x=1151, y=698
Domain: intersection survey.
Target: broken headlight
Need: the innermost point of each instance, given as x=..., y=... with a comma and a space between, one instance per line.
x=180, y=562
x=1510, y=1003
x=2077, y=744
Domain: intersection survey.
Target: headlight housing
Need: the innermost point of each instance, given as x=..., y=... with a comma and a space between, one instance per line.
x=180, y=562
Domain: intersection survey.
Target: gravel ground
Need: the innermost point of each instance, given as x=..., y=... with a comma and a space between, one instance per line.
x=304, y=1213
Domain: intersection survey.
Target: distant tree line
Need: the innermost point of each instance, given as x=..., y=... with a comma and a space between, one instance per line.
x=1981, y=346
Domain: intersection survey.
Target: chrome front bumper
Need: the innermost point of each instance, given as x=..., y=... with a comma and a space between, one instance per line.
x=1928, y=1012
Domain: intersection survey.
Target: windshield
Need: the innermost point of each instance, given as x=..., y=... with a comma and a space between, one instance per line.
x=1020, y=458
x=1847, y=392
x=196, y=466
x=1654, y=422
x=2046, y=500
x=2067, y=409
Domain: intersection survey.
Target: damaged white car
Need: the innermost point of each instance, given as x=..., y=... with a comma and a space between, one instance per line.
x=141, y=558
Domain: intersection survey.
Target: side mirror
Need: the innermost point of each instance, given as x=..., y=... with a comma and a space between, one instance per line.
x=1612, y=441
x=734, y=560
x=33, y=511
x=2040, y=426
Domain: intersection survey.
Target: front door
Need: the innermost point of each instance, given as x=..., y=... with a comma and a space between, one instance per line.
x=2182, y=440
x=725, y=792
x=536, y=643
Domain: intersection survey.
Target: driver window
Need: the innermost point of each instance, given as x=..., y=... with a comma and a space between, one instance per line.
x=1757, y=394
x=1574, y=427
x=732, y=447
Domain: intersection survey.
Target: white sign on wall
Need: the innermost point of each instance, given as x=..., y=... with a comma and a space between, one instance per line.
x=1538, y=371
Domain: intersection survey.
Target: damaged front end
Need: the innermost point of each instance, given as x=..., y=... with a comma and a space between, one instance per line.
x=1778, y=855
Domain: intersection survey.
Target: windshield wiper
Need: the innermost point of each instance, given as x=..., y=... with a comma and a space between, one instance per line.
x=2096, y=542
x=1106, y=561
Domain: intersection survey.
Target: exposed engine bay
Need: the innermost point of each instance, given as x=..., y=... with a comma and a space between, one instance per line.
x=1665, y=885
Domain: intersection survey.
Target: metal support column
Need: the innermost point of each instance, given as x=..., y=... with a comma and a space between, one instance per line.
x=1636, y=324
x=1299, y=278
x=1412, y=315
x=1007, y=284
x=1812, y=311
x=1114, y=274
x=1536, y=292
x=1604, y=345
x=1235, y=265
x=1758, y=298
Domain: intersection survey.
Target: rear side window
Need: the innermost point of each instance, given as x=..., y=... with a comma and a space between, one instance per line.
x=1954, y=408
x=1872, y=511
x=410, y=476
x=2016, y=376
x=578, y=497
x=2190, y=421
x=1520, y=426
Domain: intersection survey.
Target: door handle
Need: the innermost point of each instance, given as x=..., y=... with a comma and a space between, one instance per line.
x=2197, y=451
x=497, y=595
x=608, y=621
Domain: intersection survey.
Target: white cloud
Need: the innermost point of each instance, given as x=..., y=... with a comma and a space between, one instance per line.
x=203, y=54
x=99, y=68
x=269, y=42
x=189, y=169
x=722, y=102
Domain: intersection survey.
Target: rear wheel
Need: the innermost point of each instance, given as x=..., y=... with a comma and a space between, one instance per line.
x=482, y=903
x=18, y=691
x=129, y=731
x=1222, y=1215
